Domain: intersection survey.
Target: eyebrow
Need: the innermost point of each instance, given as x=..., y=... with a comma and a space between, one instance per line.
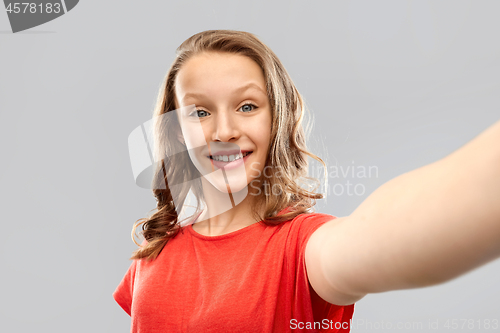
x=238, y=90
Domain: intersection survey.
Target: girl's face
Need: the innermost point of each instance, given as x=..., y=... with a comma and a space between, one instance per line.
x=230, y=119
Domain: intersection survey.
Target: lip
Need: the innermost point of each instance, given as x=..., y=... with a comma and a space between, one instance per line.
x=230, y=165
x=229, y=152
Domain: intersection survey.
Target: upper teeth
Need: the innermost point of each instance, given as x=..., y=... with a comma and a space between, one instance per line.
x=228, y=158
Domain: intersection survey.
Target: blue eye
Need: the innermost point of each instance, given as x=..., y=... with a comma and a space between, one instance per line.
x=197, y=112
x=202, y=113
x=248, y=107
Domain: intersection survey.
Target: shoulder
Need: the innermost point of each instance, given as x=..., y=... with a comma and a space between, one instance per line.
x=311, y=219
x=299, y=229
x=320, y=236
x=307, y=224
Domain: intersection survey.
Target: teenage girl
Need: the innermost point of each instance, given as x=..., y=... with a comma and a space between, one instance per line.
x=257, y=258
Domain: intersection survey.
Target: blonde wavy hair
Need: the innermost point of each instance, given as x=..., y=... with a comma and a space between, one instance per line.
x=287, y=148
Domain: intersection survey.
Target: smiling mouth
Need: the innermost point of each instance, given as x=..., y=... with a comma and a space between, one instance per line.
x=228, y=158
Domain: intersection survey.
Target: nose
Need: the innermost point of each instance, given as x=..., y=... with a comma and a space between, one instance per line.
x=226, y=128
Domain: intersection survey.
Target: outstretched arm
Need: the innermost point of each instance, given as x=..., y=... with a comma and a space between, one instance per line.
x=419, y=229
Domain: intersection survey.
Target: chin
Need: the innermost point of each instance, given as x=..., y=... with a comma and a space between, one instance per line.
x=232, y=185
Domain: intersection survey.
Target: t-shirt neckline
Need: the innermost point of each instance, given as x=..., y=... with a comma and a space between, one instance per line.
x=223, y=236
x=229, y=234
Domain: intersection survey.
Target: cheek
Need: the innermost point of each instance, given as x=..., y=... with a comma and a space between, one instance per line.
x=266, y=139
x=261, y=130
x=262, y=139
x=194, y=134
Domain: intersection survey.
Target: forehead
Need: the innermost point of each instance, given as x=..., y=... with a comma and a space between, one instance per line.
x=216, y=74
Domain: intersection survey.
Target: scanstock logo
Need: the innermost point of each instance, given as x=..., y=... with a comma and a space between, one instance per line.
x=26, y=15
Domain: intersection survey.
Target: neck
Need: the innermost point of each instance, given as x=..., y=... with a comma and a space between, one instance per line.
x=224, y=212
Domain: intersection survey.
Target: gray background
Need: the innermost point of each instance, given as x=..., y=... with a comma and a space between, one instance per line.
x=391, y=84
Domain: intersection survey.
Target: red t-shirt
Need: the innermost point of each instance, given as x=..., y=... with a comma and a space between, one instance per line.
x=250, y=280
